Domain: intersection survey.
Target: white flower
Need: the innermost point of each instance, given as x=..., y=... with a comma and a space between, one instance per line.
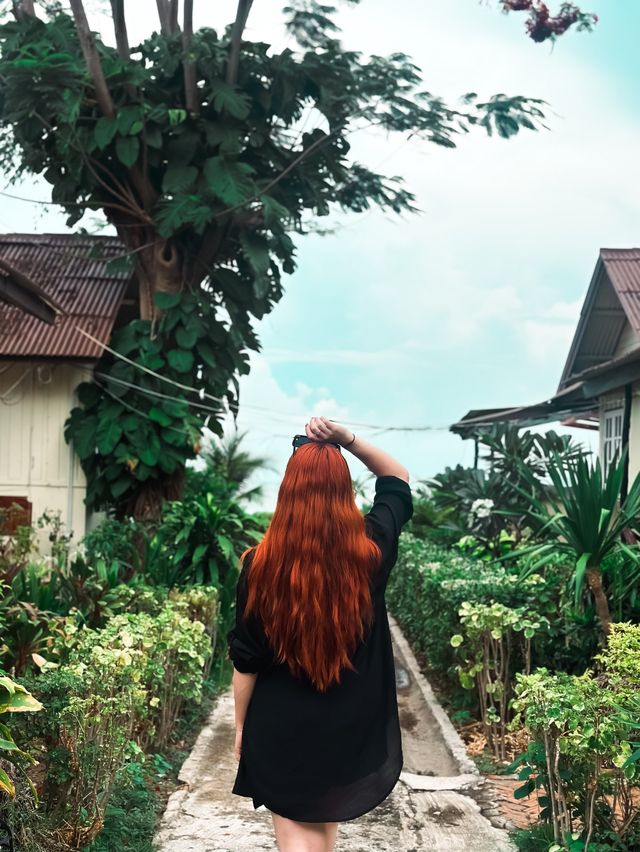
x=481, y=509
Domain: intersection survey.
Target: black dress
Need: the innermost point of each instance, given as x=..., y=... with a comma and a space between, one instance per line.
x=332, y=756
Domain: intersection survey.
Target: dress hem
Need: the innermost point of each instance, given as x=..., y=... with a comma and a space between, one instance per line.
x=344, y=819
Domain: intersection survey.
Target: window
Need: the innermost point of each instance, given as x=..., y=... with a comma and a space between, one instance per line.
x=611, y=436
x=14, y=512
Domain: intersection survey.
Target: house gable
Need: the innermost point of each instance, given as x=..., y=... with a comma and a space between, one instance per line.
x=609, y=324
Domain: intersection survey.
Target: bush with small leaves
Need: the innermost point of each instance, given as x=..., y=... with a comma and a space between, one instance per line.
x=583, y=752
x=495, y=638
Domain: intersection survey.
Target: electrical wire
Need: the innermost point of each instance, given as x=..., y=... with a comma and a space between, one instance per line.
x=204, y=395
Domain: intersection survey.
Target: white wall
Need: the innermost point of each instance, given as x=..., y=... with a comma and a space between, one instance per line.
x=35, y=460
x=634, y=433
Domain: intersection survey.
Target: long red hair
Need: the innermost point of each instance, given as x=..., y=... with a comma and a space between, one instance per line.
x=308, y=581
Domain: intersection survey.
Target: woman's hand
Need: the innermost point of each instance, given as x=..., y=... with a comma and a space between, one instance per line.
x=323, y=429
x=237, y=748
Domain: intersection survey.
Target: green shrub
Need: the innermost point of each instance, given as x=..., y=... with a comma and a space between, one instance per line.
x=495, y=640
x=92, y=714
x=429, y=584
x=110, y=694
x=582, y=751
x=165, y=653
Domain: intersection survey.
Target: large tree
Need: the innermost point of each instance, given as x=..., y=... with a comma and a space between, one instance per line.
x=206, y=152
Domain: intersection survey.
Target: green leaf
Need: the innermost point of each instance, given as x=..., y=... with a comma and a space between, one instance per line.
x=159, y=416
x=108, y=434
x=186, y=337
x=84, y=434
x=274, y=212
x=104, y=131
x=179, y=178
x=6, y=784
x=180, y=360
x=227, y=99
x=166, y=301
x=226, y=546
x=175, y=409
x=456, y=640
x=524, y=791
x=182, y=148
x=88, y=394
x=127, y=148
x=149, y=455
x=229, y=181
x=207, y=353
x=128, y=119
x=633, y=758
x=153, y=136
x=176, y=116
x=227, y=138
x=198, y=553
x=122, y=484
x=256, y=251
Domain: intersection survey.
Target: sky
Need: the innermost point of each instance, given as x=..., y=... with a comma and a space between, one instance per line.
x=411, y=321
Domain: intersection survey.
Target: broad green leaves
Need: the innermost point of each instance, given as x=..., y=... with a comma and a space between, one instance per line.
x=229, y=181
x=227, y=99
x=127, y=148
x=134, y=428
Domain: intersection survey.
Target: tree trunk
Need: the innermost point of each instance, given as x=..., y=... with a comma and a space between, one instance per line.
x=159, y=270
x=594, y=580
x=120, y=29
x=242, y=13
x=189, y=66
x=92, y=58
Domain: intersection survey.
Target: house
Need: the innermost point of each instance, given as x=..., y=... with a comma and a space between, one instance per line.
x=52, y=288
x=600, y=383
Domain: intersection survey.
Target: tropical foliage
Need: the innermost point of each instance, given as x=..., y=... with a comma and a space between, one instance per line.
x=488, y=503
x=582, y=516
x=551, y=555
x=583, y=754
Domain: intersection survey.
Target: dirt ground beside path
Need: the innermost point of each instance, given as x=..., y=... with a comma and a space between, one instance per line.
x=204, y=816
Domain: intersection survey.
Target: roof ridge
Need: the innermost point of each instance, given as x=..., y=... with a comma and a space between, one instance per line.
x=16, y=236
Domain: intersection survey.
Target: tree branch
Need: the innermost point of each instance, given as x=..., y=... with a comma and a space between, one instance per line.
x=242, y=13
x=92, y=58
x=168, y=14
x=192, y=101
x=163, y=14
x=22, y=8
x=173, y=16
x=120, y=29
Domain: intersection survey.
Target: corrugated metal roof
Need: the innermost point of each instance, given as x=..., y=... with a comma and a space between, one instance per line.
x=72, y=270
x=612, y=300
x=623, y=269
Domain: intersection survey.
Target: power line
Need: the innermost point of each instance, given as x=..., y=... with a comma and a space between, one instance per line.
x=204, y=395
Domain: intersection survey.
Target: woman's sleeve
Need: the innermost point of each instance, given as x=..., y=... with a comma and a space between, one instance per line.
x=246, y=641
x=392, y=508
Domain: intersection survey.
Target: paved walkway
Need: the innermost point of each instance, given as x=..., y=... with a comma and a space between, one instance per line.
x=433, y=806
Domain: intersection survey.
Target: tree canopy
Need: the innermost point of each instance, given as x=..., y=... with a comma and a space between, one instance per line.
x=208, y=153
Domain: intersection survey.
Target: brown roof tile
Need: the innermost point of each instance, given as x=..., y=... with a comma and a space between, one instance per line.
x=66, y=267
x=623, y=269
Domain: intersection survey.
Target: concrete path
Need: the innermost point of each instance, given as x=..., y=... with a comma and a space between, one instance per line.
x=433, y=807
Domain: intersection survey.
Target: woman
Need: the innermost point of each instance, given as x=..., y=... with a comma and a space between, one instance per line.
x=317, y=730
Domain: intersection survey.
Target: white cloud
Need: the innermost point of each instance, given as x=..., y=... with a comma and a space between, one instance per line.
x=271, y=417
